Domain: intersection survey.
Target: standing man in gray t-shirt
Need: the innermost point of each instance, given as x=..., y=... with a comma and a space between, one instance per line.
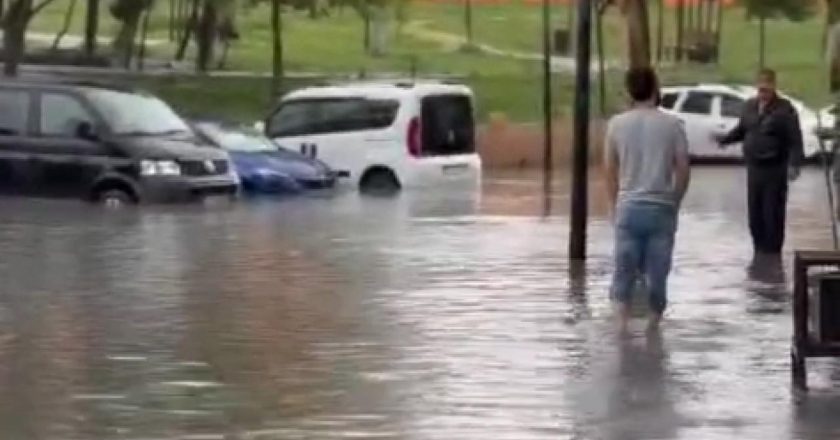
x=647, y=173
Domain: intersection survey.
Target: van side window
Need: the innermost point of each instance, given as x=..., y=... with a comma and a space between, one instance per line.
x=14, y=112
x=305, y=117
x=731, y=107
x=61, y=115
x=698, y=103
x=669, y=100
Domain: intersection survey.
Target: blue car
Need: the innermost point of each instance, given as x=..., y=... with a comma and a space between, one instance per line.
x=263, y=166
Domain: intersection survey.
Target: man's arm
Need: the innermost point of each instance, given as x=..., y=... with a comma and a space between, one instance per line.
x=682, y=165
x=611, y=164
x=793, y=134
x=738, y=133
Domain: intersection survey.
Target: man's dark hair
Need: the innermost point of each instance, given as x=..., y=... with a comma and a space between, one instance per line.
x=642, y=83
x=768, y=74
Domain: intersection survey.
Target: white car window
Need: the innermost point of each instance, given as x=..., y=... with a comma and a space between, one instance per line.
x=698, y=103
x=731, y=106
x=669, y=100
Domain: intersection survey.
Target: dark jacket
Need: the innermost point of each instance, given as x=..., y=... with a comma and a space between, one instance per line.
x=771, y=138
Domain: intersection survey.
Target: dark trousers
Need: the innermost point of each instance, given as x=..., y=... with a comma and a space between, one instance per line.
x=767, y=188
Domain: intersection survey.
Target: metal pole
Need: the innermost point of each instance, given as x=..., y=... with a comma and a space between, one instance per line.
x=602, y=77
x=577, y=233
x=826, y=163
x=548, y=156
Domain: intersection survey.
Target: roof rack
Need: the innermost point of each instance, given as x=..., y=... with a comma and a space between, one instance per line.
x=48, y=79
x=405, y=83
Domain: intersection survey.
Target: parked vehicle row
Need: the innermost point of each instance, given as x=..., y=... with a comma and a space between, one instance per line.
x=118, y=146
x=383, y=137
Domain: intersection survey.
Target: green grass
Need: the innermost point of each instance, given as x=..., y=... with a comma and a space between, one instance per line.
x=429, y=41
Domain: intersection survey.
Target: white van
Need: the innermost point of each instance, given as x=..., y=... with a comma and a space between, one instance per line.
x=383, y=137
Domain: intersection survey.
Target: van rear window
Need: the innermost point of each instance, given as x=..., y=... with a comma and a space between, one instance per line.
x=448, y=125
x=320, y=116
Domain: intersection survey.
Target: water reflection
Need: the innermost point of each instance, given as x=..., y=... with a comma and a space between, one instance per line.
x=640, y=405
x=424, y=316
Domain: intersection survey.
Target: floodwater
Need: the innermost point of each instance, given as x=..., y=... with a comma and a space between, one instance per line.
x=445, y=316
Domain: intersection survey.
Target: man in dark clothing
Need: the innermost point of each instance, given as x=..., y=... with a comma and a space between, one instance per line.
x=772, y=142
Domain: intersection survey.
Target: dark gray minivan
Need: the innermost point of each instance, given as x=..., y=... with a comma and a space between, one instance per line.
x=103, y=144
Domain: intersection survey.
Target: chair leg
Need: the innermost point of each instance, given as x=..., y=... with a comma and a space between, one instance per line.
x=799, y=373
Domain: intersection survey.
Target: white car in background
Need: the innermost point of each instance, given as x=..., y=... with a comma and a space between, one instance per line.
x=384, y=136
x=711, y=109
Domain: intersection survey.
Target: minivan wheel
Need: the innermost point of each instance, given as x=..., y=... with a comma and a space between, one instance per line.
x=380, y=182
x=114, y=199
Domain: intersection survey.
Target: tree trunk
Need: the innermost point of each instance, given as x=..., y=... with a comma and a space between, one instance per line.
x=638, y=32
x=660, y=28
x=379, y=31
x=128, y=12
x=277, y=67
x=468, y=21
x=65, y=27
x=762, y=42
x=189, y=25
x=679, y=9
x=14, y=47
x=719, y=31
x=602, y=76
x=173, y=12
x=144, y=32
x=206, y=35
x=366, y=19
x=14, y=35
x=832, y=16
x=124, y=41
x=91, y=27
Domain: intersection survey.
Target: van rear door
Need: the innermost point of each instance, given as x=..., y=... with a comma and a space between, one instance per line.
x=448, y=125
x=448, y=138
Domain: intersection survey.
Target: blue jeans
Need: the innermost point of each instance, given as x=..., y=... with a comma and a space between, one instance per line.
x=644, y=244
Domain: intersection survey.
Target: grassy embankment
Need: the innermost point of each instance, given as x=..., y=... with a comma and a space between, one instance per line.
x=504, y=86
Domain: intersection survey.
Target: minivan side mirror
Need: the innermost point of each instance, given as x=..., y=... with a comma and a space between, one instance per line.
x=85, y=130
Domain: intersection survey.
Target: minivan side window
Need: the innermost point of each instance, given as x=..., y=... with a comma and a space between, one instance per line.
x=698, y=103
x=14, y=112
x=61, y=115
x=321, y=116
x=731, y=107
x=669, y=100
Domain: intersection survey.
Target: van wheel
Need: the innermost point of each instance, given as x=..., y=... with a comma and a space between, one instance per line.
x=115, y=198
x=379, y=182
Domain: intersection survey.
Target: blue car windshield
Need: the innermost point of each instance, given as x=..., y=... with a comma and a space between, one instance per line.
x=239, y=139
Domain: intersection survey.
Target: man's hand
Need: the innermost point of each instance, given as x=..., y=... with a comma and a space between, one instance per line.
x=793, y=173
x=718, y=138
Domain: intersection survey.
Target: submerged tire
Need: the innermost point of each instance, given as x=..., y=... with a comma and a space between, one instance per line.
x=379, y=182
x=115, y=198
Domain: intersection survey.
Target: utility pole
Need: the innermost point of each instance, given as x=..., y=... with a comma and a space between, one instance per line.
x=577, y=233
x=548, y=154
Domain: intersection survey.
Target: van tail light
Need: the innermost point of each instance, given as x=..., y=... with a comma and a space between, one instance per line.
x=415, y=138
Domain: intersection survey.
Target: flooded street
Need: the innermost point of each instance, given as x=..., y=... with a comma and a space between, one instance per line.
x=420, y=317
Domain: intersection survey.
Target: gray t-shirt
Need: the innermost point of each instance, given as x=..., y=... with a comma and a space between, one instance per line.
x=647, y=143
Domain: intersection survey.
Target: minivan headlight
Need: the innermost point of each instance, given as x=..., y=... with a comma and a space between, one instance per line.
x=159, y=168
